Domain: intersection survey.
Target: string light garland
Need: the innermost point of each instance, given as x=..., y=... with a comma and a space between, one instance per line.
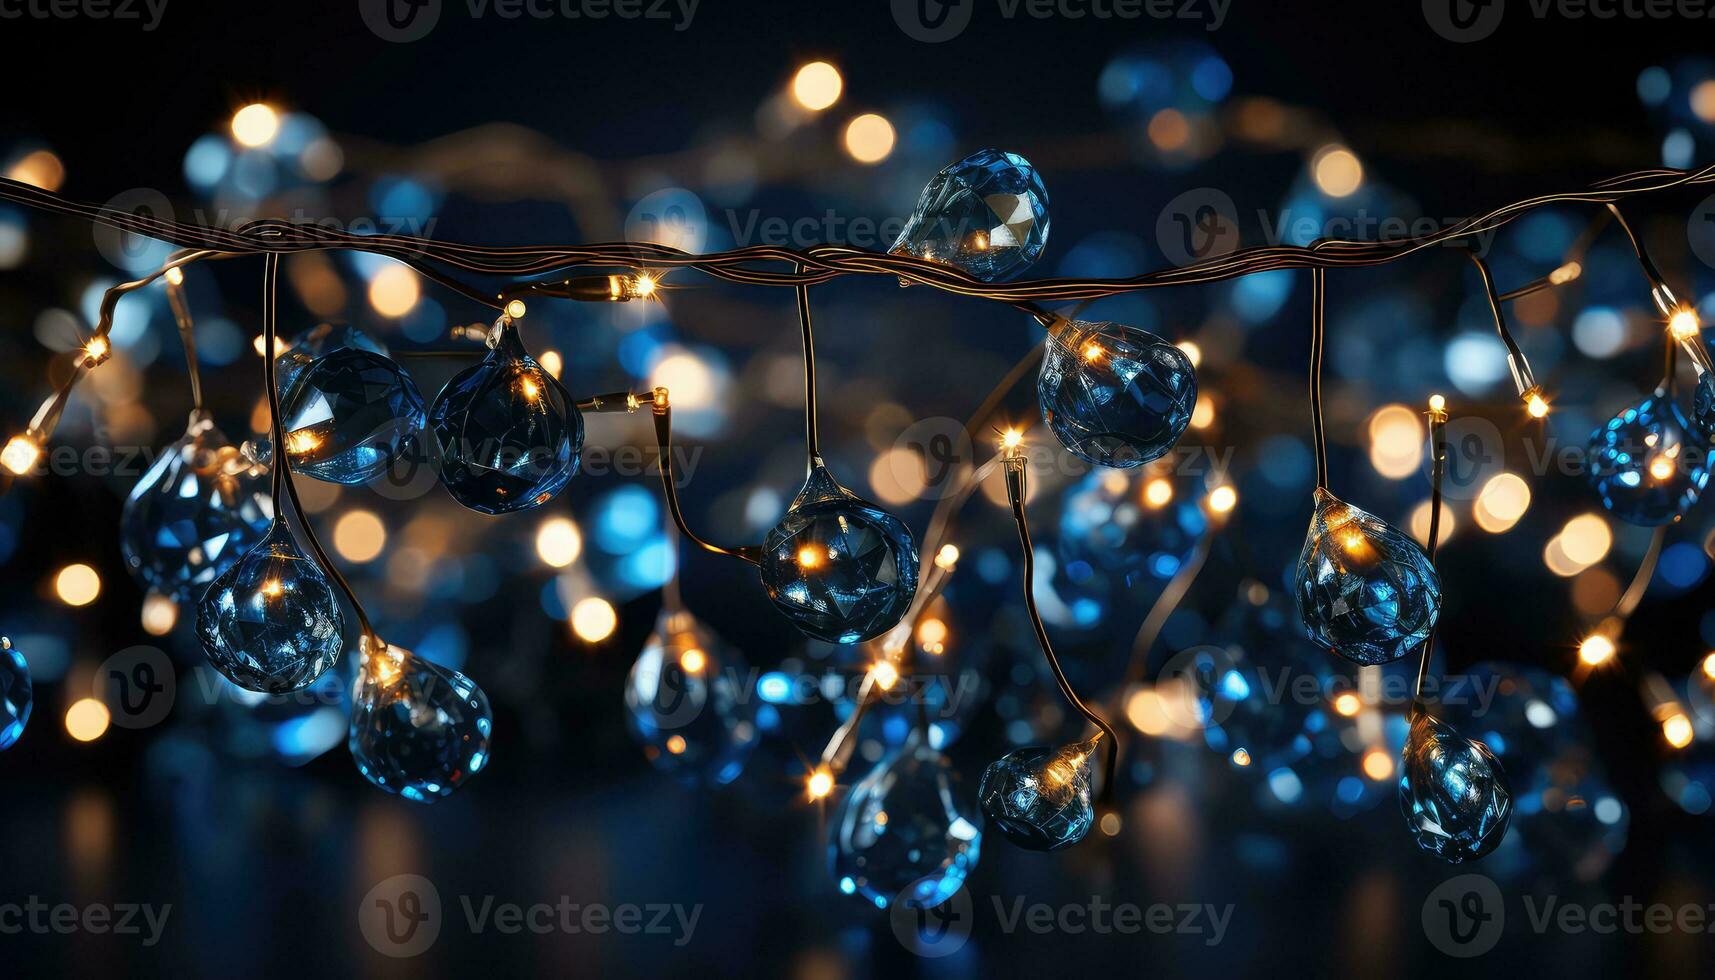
x=841, y=568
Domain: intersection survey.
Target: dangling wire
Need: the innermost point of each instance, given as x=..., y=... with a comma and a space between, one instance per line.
x=282, y=470
x=1318, y=303
x=1438, y=462
x=812, y=447
x=663, y=410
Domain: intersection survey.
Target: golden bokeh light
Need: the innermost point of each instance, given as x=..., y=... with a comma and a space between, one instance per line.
x=87, y=720
x=255, y=125
x=77, y=585
x=594, y=619
x=817, y=86
x=1337, y=171
x=359, y=536
x=394, y=291
x=559, y=542
x=1396, y=441
x=869, y=138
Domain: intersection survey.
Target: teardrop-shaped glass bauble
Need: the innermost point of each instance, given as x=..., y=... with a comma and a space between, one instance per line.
x=841, y=568
x=688, y=702
x=417, y=729
x=1115, y=395
x=16, y=695
x=1648, y=464
x=347, y=410
x=197, y=510
x=1365, y=591
x=906, y=832
x=507, y=434
x=271, y=622
x=1453, y=791
x=986, y=214
x=1039, y=797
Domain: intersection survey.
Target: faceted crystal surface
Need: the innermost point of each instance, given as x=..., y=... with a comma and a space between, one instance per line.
x=841, y=568
x=507, y=434
x=906, y=831
x=1648, y=463
x=320, y=340
x=1703, y=407
x=688, y=702
x=1365, y=591
x=1039, y=797
x=1453, y=792
x=15, y=694
x=1115, y=395
x=417, y=729
x=199, y=507
x=986, y=214
x=349, y=414
x=271, y=623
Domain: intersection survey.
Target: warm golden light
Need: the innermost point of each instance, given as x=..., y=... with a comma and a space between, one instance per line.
x=1241, y=757
x=817, y=86
x=77, y=585
x=97, y=349
x=1596, y=650
x=1661, y=467
x=1337, y=171
x=1158, y=492
x=1092, y=351
x=885, y=674
x=1203, y=415
x=86, y=720
x=394, y=291
x=20, y=455
x=1709, y=666
x=1011, y=439
x=820, y=784
x=39, y=168
x=1378, y=764
x=1420, y=523
x=1683, y=324
x=159, y=614
x=1501, y=502
x=1192, y=352
x=1223, y=499
x=947, y=557
x=594, y=619
x=1396, y=441
x=643, y=286
x=255, y=125
x=273, y=588
x=176, y=276
x=1677, y=729
x=1536, y=405
x=1585, y=539
x=515, y=309
x=1437, y=403
x=810, y=556
x=551, y=362
x=558, y=542
x=1348, y=704
x=693, y=661
x=359, y=536
x=301, y=441
x=1147, y=711
x=676, y=744
x=869, y=138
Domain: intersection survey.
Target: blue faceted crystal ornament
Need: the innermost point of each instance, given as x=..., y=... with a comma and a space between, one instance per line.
x=1703, y=407
x=418, y=729
x=1648, y=463
x=1453, y=792
x=271, y=622
x=688, y=702
x=1039, y=797
x=1115, y=395
x=348, y=411
x=200, y=506
x=506, y=432
x=15, y=694
x=986, y=214
x=1365, y=591
x=906, y=832
x=841, y=568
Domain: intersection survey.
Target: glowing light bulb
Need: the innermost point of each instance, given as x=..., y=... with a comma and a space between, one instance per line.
x=176, y=276
x=1223, y=499
x=594, y=619
x=1158, y=492
x=693, y=660
x=1348, y=704
x=1378, y=764
x=255, y=125
x=20, y=455
x=820, y=784
x=1678, y=730
x=947, y=557
x=558, y=542
x=1596, y=650
x=885, y=674
x=77, y=585
x=97, y=349
x=1683, y=324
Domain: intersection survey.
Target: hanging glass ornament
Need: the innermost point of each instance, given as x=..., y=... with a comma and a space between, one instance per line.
x=271, y=622
x=1365, y=591
x=1703, y=407
x=1453, y=792
x=507, y=434
x=15, y=694
x=346, y=408
x=1647, y=463
x=906, y=831
x=197, y=510
x=1039, y=797
x=688, y=702
x=418, y=729
x=841, y=568
x=986, y=214
x=1114, y=395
